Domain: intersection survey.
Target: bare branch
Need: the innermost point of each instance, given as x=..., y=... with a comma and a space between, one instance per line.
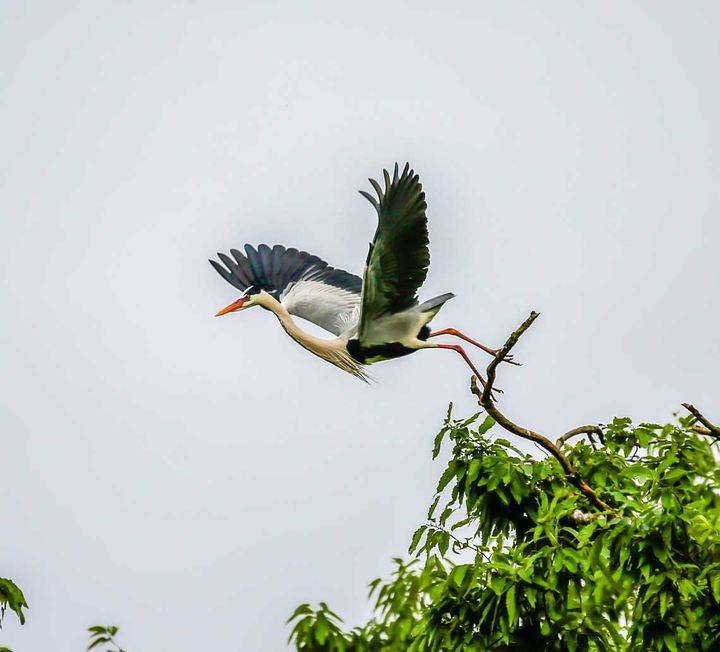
x=712, y=429
x=580, y=430
x=502, y=353
x=485, y=400
x=701, y=431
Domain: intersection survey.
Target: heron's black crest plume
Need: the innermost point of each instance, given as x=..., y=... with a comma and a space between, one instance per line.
x=274, y=270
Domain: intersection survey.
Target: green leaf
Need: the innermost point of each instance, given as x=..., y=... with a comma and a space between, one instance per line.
x=469, y=420
x=328, y=612
x=322, y=629
x=11, y=596
x=668, y=461
x=300, y=611
x=510, y=604
x=473, y=471
x=669, y=640
x=488, y=423
x=443, y=543
x=437, y=444
x=416, y=538
x=433, y=506
x=448, y=475
x=458, y=574
x=715, y=586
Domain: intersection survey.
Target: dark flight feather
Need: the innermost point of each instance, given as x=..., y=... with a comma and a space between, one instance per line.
x=399, y=257
x=273, y=270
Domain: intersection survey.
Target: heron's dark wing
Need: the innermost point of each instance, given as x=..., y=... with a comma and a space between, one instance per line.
x=306, y=285
x=398, y=259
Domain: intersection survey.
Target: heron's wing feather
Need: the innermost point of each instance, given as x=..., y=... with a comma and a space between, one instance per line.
x=398, y=259
x=336, y=309
x=305, y=284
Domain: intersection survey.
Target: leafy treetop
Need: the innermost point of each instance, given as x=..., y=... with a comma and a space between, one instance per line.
x=610, y=543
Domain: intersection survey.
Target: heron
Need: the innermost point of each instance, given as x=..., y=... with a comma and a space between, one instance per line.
x=376, y=318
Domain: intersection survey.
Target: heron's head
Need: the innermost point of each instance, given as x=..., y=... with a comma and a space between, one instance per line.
x=247, y=300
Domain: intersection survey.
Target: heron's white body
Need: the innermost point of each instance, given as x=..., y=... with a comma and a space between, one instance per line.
x=402, y=328
x=338, y=312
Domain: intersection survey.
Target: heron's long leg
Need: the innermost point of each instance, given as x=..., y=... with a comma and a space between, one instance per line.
x=462, y=336
x=461, y=351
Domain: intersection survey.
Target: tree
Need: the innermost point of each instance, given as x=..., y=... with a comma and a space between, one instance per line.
x=612, y=542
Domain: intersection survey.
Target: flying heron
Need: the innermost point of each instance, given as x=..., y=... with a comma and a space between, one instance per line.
x=374, y=318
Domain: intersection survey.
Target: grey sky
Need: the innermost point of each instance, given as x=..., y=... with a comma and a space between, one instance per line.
x=193, y=479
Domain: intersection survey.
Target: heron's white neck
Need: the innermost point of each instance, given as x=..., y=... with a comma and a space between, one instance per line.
x=291, y=328
x=333, y=350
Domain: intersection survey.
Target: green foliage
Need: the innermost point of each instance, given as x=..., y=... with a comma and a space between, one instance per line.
x=513, y=557
x=11, y=596
x=316, y=629
x=103, y=635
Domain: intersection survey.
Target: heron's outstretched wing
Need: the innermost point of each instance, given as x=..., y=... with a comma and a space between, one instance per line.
x=398, y=259
x=332, y=307
x=306, y=285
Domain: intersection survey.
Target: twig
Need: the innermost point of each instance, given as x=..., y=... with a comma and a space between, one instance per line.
x=485, y=400
x=701, y=431
x=712, y=429
x=457, y=540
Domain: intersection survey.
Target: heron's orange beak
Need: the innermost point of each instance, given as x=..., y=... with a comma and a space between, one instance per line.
x=235, y=305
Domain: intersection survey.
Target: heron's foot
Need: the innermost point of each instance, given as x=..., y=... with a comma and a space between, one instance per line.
x=493, y=392
x=480, y=345
x=508, y=358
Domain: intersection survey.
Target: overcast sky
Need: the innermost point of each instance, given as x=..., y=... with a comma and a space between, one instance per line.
x=194, y=479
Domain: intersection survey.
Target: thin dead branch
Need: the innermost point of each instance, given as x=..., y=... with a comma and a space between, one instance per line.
x=485, y=399
x=701, y=431
x=710, y=428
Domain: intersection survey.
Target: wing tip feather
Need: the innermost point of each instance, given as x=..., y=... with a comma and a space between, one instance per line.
x=371, y=199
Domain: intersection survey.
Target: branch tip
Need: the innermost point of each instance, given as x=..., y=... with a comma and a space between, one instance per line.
x=712, y=429
x=485, y=400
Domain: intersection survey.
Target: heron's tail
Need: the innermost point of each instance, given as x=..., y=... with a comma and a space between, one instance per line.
x=433, y=305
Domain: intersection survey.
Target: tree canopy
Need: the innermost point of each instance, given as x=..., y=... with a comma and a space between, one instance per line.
x=511, y=557
x=612, y=542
